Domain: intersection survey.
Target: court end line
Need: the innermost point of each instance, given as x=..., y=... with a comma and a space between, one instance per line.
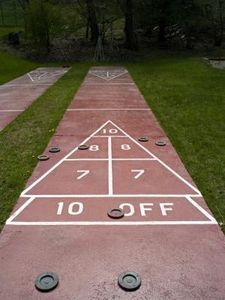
x=106, y=223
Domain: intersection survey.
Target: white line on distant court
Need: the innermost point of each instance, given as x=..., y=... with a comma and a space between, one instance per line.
x=30, y=77
x=11, y=110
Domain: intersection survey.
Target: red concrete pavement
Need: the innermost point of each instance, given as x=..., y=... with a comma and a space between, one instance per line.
x=60, y=223
x=18, y=94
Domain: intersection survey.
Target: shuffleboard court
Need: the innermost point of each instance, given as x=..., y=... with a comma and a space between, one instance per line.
x=18, y=94
x=61, y=222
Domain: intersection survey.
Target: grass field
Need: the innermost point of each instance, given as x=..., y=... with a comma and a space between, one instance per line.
x=187, y=96
x=12, y=67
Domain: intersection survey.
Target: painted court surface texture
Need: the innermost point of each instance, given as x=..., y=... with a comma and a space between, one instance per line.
x=18, y=94
x=60, y=223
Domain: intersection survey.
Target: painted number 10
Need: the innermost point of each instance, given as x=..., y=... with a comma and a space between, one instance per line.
x=111, y=131
x=73, y=209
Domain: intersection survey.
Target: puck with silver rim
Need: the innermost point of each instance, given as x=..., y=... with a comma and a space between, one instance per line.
x=116, y=213
x=160, y=143
x=43, y=157
x=54, y=149
x=46, y=282
x=129, y=281
x=83, y=147
x=143, y=139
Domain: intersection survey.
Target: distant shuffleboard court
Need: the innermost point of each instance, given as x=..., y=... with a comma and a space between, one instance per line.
x=18, y=94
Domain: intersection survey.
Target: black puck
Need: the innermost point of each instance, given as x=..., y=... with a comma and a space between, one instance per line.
x=54, y=149
x=160, y=143
x=116, y=213
x=46, y=282
x=43, y=157
x=129, y=281
x=83, y=147
x=143, y=139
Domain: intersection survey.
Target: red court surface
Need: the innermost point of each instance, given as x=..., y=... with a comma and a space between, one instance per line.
x=60, y=223
x=18, y=94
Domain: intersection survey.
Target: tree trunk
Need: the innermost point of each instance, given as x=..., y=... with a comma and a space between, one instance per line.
x=219, y=33
x=163, y=23
x=130, y=36
x=92, y=20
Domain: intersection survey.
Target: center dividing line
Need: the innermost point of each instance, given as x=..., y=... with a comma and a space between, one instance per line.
x=110, y=174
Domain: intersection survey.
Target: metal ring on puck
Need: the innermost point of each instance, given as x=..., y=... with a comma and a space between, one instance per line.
x=83, y=147
x=46, y=282
x=129, y=281
x=43, y=157
x=116, y=213
x=143, y=139
x=54, y=149
x=160, y=143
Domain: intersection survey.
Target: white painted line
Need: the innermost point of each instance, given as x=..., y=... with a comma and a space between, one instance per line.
x=107, y=136
x=110, y=170
x=115, y=196
x=107, y=77
x=61, y=161
x=30, y=77
x=107, y=83
x=159, y=160
x=108, y=109
x=24, y=84
x=202, y=210
x=106, y=159
x=11, y=110
x=16, y=213
x=116, y=223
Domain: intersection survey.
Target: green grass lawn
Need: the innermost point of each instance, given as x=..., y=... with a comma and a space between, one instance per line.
x=187, y=96
x=12, y=66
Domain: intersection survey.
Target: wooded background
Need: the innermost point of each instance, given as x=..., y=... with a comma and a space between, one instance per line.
x=67, y=27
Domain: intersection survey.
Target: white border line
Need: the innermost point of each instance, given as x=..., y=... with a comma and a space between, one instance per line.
x=91, y=72
x=106, y=159
x=110, y=170
x=116, y=223
x=11, y=110
x=116, y=196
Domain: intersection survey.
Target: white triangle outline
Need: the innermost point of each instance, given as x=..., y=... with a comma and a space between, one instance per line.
x=108, y=78
x=24, y=193
x=43, y=74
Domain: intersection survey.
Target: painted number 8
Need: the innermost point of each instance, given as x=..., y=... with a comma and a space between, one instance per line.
x=125, y=147
x=94, y=148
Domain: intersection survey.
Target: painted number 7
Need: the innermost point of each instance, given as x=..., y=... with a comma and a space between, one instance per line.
x=82, y=173
x=139, y=173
